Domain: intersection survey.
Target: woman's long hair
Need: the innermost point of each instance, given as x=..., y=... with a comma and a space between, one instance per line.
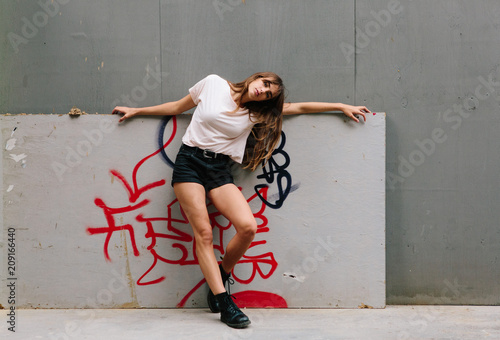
x=268, y=118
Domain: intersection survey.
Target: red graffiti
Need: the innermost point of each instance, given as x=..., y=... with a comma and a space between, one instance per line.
x=256, y=299
x=181, y=246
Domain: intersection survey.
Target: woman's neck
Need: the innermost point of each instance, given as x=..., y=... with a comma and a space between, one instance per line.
x=237, y=98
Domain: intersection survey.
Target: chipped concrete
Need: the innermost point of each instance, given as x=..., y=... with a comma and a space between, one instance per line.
x=76, y=112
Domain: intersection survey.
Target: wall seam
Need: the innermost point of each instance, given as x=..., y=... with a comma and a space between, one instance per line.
x=355, y=58
x=161, y=53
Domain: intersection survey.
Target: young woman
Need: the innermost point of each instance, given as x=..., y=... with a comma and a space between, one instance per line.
x=226, y=115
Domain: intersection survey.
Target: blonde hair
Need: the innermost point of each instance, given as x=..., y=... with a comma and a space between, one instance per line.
x=268, y=118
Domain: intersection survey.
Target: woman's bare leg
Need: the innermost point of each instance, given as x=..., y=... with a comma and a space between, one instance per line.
x=231, y=203
x=192, y=198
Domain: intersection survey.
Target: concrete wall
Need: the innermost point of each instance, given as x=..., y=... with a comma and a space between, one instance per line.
x=432, y=65
x=96, y=222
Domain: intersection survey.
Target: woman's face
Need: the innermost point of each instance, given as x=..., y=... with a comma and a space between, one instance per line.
x=262, y=89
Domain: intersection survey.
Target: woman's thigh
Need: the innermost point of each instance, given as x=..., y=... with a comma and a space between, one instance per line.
x=231, y=203
x=192, y=198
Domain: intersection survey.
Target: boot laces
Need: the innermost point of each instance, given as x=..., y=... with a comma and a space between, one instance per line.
x=230, y=282
x=232, y=307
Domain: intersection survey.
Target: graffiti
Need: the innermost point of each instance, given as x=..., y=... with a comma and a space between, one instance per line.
x=161, y=133
x=168, y=243
x=272, y=170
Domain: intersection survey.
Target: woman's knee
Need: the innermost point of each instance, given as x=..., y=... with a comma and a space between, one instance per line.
x=248, y=229
x=204, y=236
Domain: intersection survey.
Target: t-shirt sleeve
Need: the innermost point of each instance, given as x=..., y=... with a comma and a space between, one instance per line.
x=198, y=88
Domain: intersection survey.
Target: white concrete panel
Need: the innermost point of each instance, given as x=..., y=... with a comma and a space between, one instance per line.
x=97, y=225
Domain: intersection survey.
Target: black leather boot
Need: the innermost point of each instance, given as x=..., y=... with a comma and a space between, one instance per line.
x=212, y=301
x=230, y=314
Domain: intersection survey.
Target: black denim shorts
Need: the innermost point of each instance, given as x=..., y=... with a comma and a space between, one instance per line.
x=207, y=168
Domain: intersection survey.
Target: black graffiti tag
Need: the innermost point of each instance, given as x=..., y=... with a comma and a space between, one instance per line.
x=274, y=171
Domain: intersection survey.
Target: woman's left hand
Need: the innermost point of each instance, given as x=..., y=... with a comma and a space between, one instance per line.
x=354, y=111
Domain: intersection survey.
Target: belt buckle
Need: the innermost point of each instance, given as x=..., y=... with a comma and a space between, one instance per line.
x=206, y=154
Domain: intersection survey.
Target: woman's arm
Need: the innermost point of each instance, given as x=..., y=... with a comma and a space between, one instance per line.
x=169, y=109
x=314, y=107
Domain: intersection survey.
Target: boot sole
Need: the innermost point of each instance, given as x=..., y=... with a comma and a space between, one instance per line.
x=238, y=325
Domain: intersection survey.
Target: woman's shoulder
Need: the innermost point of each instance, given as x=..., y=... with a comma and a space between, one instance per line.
x=214, y=77
x=215, y=80
x=210, y=80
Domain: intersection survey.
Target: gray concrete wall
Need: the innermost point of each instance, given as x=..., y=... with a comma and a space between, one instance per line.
x=431, y=65
x=90, y=218
x=434, y=66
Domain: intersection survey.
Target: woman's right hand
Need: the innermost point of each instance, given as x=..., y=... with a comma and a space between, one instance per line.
x=127, y=112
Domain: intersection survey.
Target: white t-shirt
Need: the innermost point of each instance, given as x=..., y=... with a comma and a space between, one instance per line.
x=213, y=126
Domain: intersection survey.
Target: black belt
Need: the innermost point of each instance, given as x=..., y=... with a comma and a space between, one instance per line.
x=204, y=153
